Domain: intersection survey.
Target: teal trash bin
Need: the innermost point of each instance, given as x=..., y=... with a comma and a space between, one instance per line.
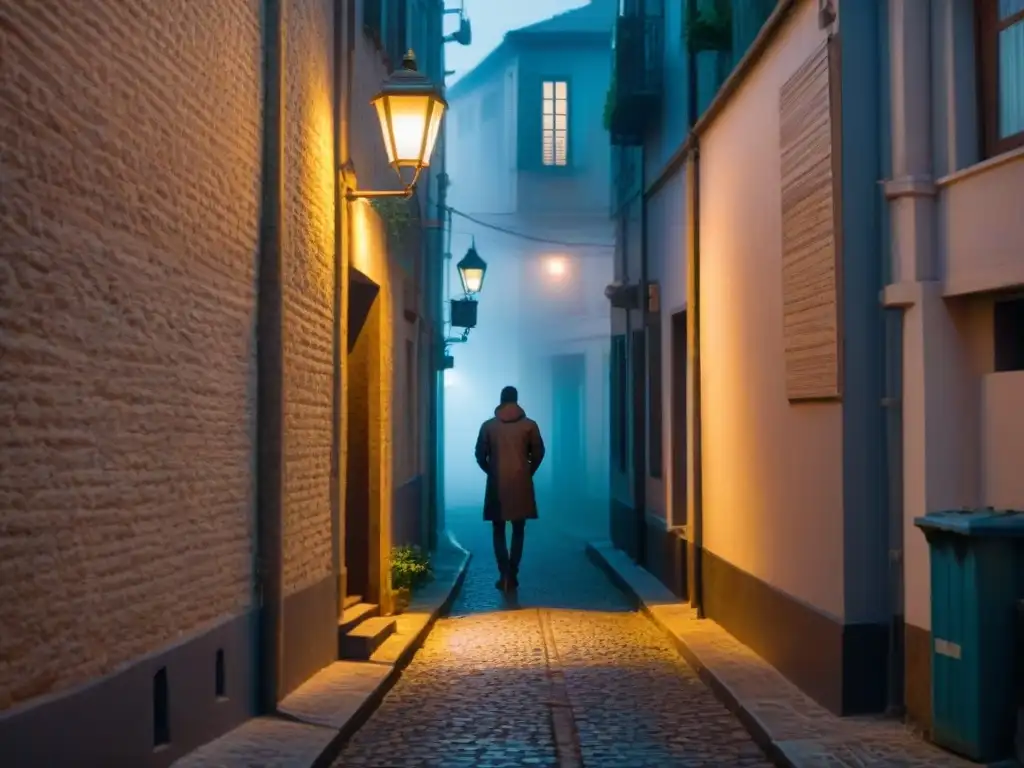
x=975, y=580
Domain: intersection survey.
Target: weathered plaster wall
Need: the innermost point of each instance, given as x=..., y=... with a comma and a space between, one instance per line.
x=773, y=475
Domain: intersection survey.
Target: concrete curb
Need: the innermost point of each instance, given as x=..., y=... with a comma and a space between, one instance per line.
x=756, y=729
x=313, y=724
x=375, y=699
x=790, y=728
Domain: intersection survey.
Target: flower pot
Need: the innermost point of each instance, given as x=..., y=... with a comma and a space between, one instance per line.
x=402, y=598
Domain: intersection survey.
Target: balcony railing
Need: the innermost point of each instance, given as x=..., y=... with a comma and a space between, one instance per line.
x=634, y=97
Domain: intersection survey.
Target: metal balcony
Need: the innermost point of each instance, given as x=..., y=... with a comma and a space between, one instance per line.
x=635, y=92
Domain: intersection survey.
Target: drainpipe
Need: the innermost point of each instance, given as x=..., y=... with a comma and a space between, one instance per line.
x=341, y=68
x=907, y=259
x=644, y=320
x=627, y=374
x=270, y=368
x=440, y=269
x=345, y=259
x=695, y=484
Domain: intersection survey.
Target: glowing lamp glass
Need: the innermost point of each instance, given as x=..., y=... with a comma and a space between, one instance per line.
x=472, y=270
x=410, y=110
x=472, y=280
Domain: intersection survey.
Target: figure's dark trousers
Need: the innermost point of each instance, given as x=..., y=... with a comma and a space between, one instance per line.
x=508, y=563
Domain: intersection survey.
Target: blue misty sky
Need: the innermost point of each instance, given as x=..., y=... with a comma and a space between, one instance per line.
x=491, y=20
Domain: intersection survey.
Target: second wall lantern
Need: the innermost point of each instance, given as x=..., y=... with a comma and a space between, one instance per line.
x=472, y=270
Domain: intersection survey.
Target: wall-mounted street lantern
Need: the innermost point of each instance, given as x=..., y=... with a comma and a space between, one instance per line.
x=472, y=270
x=410, y=108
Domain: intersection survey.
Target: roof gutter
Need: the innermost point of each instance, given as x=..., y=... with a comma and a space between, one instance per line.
x=739, y=74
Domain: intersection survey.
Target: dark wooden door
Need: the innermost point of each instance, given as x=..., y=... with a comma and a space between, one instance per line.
x=678, y=426
x=568, y=432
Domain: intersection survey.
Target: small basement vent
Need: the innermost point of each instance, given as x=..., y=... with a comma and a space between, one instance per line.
x=810, y=256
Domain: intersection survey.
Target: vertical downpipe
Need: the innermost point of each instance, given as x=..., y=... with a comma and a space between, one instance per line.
x=346, y=237
x=893, y=400
x=338, y=414
x=693, y=319
x=626, y=394
x=627, y=379
x=641, y=483
x=697, y=599
x=437, y=346
x=436, y=445
x=270, y=366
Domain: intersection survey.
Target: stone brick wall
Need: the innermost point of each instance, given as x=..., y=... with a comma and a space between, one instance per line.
x=309, y=274
x=130, y=137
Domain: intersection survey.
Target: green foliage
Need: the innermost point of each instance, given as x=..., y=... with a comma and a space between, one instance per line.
x=711, y=30
x=397, y=215
x=609, y=103
x=410, y=568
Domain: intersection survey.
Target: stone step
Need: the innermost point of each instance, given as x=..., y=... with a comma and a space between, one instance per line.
x=352, y=616
x=351, y=600
x=359, y=643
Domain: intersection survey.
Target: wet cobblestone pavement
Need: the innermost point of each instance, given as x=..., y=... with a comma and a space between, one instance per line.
x=565, y=674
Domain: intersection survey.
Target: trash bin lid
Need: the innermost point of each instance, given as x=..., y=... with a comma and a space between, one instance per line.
x=974, y=522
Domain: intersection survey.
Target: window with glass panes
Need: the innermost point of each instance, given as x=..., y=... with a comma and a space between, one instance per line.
x=555, y=125
x=1001, y=43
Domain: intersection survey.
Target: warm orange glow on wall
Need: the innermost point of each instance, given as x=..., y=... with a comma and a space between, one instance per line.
x=317, y=188
x=369, y=244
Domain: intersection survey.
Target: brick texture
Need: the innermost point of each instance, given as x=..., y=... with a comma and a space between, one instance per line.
x=309, y=292
x=129, y=164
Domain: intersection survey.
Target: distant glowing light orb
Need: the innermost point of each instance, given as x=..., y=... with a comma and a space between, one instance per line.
x=556, y=266
x=449, y=378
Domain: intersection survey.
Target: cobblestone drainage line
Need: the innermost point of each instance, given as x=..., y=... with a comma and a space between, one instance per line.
x=563, y=724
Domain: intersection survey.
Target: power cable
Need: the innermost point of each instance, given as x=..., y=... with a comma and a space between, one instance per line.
x=524, y=236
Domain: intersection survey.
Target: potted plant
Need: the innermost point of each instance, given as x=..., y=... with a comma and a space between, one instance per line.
x=410, y=570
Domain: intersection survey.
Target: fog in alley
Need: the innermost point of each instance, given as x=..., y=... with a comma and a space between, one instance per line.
x=542, y=318
x=281, y=282
x=530, y=334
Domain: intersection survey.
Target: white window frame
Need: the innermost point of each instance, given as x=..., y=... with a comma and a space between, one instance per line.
x=555, y=123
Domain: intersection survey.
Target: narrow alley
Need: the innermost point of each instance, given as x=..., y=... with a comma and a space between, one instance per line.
x=723, y=299
x=564, y=674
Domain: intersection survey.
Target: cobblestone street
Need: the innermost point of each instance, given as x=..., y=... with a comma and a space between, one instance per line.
x=565, y=674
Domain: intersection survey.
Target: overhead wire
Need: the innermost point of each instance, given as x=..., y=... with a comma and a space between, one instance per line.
x=524, y=236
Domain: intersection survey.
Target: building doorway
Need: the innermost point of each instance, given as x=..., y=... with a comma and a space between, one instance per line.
x=568, y=434
x=638, y=383
x=677, y=515
x=362, y=552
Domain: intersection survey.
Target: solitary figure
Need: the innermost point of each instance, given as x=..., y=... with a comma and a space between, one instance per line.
x=509, y=449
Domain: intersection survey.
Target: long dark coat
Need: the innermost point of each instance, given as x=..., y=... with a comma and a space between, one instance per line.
x=509, y=449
